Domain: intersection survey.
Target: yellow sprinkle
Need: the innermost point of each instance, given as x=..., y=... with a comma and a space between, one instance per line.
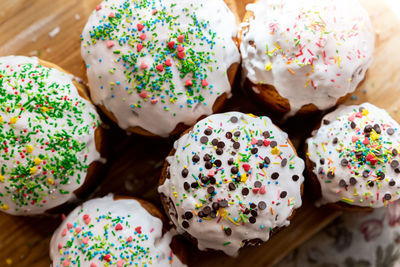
x=37, y=161
x=2, y=178
x=268, y=66
x=29, y=149
x=307, y=83
x=9, y=261
x=50, y=181
x=44, y=109
x=1, y=119
x=229, y=218
x=365, y=112
x=277, y=46
x=252, y=115
x=243, y=178
x=13, y=120
x=4, y=207
x=275, y=151
x=347, y=199
x=323, y=147
x=33, y=170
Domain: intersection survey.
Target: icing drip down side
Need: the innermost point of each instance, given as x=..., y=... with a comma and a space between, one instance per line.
x=233, y=179
x=311, y=51
x=155, y=64
x=356, y=156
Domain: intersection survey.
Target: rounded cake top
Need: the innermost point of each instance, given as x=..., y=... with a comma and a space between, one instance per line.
x=155, y=64
x=356, y=156
x=108, y=232
x=46, y=136
x=311, y=51
x=232, y=179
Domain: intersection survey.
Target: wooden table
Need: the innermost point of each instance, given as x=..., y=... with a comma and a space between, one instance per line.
x=50, y=29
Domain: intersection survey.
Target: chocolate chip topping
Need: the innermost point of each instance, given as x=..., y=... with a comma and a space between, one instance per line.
x=204, y=139
x=275, y=175
x=284, y=162
x=390, y=131
x=188, y=215
x=283, y=194
x=228, y=231
x=232, y=186
x=257, y=184
x=262, y=205
x=185, y=173
x=353, y=181
x=185, y=224
x=236, y=145
x=196, y=158
x=295, y=178
x=207, y=131
x=245, y=191
x=234, y=119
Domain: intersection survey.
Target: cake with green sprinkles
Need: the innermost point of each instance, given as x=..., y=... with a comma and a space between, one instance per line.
x=113, y=232
x=354, y=157
x=231, y=181
x=47, y=136
x=156, y=66
x=301, y=56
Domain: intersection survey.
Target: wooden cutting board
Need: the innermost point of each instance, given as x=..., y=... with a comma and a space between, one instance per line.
x=50, y=29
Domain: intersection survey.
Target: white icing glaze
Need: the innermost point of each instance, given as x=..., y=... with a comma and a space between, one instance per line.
x=31, y=180
x=90, y=227
x=349, y=141
x=209, y=232
x=311, y=51
x=159, y=113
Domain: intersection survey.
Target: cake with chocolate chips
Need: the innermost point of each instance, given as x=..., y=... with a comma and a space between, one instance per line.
x=353, y=158
x=305, y=56
x=115, y=231
x=230, y=181
x=156, y=67
x=50, y=137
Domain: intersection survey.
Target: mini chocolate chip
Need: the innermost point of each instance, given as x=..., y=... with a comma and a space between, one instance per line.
x=388, y=196
x=185, y=173
x=213, y=214
x=344, y=162
x=284, y=162
x=210, y=190
x=254, y=213
x=335, y=140
x=215, y=205
x=223, y=203
x=218, y=163
x=283, y=194
x=185, y=224
x=212, y=180
x=353, y=125
x=254, y=150
x=201, y=214
x=207, y=210
x=234, y=170
x=322, y=161
x=194, y=185
x=232, y=186
x=228, y=135
x=186, y=186
x=234, y=119
x=370, y=183
x=214, y=142
x=253, y=206
x=204, y=179
x=207, y=157
x=230, y=161
x=381, y=175
x=392, y=183
x=353, y=181
x=207, y=131
x=267, y=160
x=266, y=134
x=196, y=158
x=330, y=175
x=237, y=133
x=367, y=129
x=260, y=142
x=252, y=220
x=273, y=144
x=295, y=178
x=188, y=215
x=395, y=152
x=257, y=184
x=219, y=151
x=377, y=128
x=261, y=165
x=326, y=122
x=228, y=231
x=245, y=191
x=397, y=170
x=390, y=131
x=208, y=165
x=342, y=183
x=236, y=145
x=204, y=139
x=275, y=176
x=262, y=205
x=394, y=164
x=221, y=144
x=365, y=174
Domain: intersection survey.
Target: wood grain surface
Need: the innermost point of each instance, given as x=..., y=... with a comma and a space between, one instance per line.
x=50, y=29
